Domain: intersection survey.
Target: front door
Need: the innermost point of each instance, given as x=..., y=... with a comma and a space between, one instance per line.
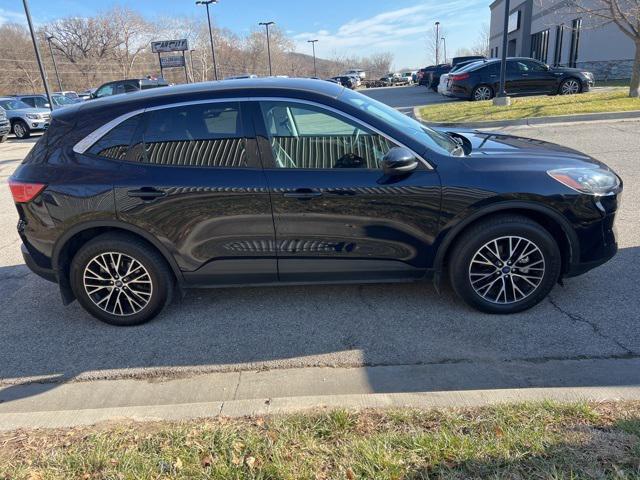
x=190, y=176
x=337, y=217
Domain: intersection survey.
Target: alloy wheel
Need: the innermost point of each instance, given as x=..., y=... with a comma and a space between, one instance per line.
x=570, y=87
x=117, y=283
x=507, y=270
x=18, y=130
x=482, y=93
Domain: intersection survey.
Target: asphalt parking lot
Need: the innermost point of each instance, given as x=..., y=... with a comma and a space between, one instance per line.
x=406, y=98
x=596, y=316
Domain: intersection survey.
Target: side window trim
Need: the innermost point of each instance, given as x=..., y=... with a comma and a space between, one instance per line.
x=83, y=145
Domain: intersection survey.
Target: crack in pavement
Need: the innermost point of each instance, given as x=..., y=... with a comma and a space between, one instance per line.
x=594, y=326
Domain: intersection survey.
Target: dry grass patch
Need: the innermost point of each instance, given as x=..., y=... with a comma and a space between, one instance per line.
x=546, y=440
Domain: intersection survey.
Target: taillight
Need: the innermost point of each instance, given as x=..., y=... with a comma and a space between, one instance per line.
x=459, y=77
x=25, y=192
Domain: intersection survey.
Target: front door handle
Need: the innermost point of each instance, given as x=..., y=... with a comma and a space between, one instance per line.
x=147, y=193
x=303, y=194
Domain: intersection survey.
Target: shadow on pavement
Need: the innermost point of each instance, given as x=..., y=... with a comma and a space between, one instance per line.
x=441, y=344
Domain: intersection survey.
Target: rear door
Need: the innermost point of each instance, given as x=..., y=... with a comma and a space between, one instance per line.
x=190, y=176
x=337, y=217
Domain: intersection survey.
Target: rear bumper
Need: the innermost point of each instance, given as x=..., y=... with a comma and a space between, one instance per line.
x=46, y=273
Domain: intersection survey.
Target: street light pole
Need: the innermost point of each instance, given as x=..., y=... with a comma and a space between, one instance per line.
x=437, y=43
x=444, y=42
x=267, y=25
x=53, y=58
x=502, y=98
x=193, y=72
x=315, y=68
x=213, y=50
x=37, y=50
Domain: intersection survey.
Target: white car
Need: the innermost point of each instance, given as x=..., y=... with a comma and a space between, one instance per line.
x=443, y=86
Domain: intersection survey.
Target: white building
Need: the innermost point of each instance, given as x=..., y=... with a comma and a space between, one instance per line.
x=551, y=32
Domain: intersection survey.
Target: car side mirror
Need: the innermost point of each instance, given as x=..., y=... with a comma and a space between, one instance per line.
x=399, y=161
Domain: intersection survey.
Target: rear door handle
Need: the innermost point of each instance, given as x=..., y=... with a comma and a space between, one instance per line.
x=303, y=194
x=147, y=193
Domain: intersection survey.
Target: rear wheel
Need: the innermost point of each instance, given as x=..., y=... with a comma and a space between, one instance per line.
x=504, y=265
x=482, y=92
x=21, y=129
x=121, y=280
x=570, y=86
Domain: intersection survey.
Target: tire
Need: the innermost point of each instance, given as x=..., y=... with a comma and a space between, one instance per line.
x=153, y=285
x=21, y=129
x=481, y=93
x=570, y=86
x=468, y=269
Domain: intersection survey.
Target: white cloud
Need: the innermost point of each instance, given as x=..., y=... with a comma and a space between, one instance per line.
x=402, y=31
x=11, y=16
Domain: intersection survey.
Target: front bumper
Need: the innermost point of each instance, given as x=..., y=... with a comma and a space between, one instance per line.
x=37, y=124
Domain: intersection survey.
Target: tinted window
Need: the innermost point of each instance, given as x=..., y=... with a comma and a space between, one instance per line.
x=29, y=101
x=40, y=102
x=305, y=136
x=205, y=135
x=105, y=91
x=115, y=144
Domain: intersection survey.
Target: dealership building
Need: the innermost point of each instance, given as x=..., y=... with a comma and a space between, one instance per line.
x=552, y=32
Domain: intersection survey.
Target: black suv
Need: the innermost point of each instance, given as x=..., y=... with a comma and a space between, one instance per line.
x=127, y=86
x=289, y=181
x=524, y=76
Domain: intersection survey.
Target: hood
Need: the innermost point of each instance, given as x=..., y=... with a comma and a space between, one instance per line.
x=492, y=148
x=24, y=111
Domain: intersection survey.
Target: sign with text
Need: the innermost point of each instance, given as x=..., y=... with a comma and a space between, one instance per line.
x=170, y=46
x=172, y=62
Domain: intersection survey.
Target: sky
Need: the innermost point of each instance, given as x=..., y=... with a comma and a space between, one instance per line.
x=356, y=27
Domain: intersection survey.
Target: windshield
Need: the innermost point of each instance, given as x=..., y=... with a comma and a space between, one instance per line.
x=13, y=104
x=435, y=140
x=62, y=100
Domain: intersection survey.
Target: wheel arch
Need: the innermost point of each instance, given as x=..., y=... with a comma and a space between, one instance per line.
x=69, y=243
x=549, y=219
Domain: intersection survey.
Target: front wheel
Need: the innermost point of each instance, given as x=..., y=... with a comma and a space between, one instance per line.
x=481, y=93
x=570, y=86
x=504, y=265
x=21, y=129
x=121, y=280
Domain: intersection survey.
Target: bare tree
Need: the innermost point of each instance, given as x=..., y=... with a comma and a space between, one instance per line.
x=434, y=41
x=625, y=14
x=481, y=47
x=133, y=36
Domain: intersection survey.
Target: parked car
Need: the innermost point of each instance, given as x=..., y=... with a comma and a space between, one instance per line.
x=424, y=76
x=86, y=95
x=70, y=94
x=41, y=101
x=524, y=76
x=346, y=81
x=5, y=125
x=469, y=58
x=24, y=119
x=135, y=197
x=408, y=76
x=433, y=75
x=361, y=74
x=128, y=86
x=443, y=86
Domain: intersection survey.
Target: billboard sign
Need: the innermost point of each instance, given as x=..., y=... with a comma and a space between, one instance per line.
x=170, y=46
x=172, y=62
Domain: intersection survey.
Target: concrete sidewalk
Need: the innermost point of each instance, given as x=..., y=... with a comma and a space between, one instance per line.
x=280, y=391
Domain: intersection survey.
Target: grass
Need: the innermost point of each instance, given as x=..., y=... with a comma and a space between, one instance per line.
x=527, y=107
x=546, y=440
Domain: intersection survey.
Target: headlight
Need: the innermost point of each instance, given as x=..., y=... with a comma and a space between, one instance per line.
x=33, y=116
x=592, y=181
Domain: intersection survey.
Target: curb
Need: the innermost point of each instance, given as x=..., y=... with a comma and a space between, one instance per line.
x=584, y=117
x=280, y=406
